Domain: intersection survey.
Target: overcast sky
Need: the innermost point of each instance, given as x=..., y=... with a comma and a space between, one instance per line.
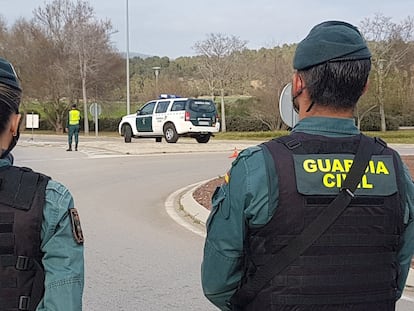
x=172, y=27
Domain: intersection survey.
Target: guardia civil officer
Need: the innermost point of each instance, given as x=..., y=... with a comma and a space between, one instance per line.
x=41, y=242
x=73, y=127
x=298, y=226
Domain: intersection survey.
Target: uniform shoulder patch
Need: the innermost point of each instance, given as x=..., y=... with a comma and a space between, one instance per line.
x=76, y=226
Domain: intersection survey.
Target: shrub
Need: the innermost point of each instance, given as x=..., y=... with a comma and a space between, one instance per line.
x=372, y=122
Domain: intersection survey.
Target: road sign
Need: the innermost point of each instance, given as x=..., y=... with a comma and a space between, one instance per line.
x=32, y=121
x=287, y=112
x=95, y=109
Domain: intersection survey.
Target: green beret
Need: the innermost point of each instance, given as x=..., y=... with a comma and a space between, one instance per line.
x=330, y=41
x=8, y=75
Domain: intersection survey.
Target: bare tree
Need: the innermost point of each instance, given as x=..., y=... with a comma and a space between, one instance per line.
x=389, y=44
x=272, y=70
x=82, y=39
x=217, y=63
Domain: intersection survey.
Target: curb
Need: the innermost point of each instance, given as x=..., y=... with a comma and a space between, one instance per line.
x=410, y=278
x=192, y=207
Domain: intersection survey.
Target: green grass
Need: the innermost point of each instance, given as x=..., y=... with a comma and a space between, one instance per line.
x=393, y=137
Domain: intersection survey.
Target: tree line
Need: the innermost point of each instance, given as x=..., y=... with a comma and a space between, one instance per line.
x=64, y=54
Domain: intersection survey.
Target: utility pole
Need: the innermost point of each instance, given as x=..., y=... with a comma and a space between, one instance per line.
x=127, y=59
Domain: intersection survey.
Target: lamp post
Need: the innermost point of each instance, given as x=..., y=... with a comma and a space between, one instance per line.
x=157, y=73
x=127, y=58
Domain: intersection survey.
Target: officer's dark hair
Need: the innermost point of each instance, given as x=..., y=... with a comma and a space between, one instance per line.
x=337, y=85
x=9, y=103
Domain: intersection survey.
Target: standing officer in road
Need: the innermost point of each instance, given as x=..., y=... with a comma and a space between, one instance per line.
x=321, y=219
x=41, y=241
x=73, y=127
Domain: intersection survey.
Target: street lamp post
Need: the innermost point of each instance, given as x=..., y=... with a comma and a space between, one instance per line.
x=157, y=73
x=127, y=58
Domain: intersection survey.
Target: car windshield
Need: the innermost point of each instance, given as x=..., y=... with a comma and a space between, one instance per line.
x=202, y=105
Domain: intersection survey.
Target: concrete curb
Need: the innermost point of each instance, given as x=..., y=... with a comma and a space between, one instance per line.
x=191, y=206
x=410, y=278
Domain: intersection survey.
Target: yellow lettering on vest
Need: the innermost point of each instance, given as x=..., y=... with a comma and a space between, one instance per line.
x=309, y=166
x=370, y=167
x=337, y=166
x=364, y=183
x=329, y=180
x=339, y=179
x=326, y=168
x=348, y=164
x=382, y=168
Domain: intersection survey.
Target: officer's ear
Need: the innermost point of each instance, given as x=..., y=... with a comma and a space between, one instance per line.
x=297, y=84
x=15, y=123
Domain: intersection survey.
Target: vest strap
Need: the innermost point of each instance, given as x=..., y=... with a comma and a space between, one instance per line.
x=20, y=188
x=329, y=280
x=22, y=263
x=337, y=260
x=332, y=299
x=24, y=303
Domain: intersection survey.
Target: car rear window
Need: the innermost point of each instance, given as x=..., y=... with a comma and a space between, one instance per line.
x=202, y=105
x=178, y=105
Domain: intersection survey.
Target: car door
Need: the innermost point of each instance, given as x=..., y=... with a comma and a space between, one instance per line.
x=144, y=118
x=160, y=115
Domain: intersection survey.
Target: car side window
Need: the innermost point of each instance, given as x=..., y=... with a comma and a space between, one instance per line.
x=178, y=105
x=162, y=107
x=147, y=109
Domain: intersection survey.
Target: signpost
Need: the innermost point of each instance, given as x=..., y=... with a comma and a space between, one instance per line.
x=32, y=121
x=95, y=109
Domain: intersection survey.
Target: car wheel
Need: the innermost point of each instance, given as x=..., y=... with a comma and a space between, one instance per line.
x=158, y=139
x=202, y=139
x=127, y=134
x=170, y=133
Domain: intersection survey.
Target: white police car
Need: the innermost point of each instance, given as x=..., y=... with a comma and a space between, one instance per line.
x=172, y=117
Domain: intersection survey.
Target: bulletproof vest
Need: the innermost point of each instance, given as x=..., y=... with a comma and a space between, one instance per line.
x=22, y=199
x=353, y=265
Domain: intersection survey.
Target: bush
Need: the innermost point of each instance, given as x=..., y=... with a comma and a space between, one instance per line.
x=372, y=122
x=407, y=119
x=106, y=124
x=244, y=124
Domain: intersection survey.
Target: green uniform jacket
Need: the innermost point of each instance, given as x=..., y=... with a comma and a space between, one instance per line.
x=247, y=201
x=63, y=257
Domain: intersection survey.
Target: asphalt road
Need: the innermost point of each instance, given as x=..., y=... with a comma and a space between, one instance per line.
x=137, y=257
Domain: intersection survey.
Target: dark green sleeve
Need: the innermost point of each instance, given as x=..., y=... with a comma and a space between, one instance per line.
x=244, y=199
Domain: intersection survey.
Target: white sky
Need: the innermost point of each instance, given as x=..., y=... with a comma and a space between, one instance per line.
x=172, y=27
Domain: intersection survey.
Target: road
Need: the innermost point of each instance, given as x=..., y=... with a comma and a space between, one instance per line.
x=137, y=258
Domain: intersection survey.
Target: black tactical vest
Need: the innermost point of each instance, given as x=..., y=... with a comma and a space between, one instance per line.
x=353, y=265
x=22, y=199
